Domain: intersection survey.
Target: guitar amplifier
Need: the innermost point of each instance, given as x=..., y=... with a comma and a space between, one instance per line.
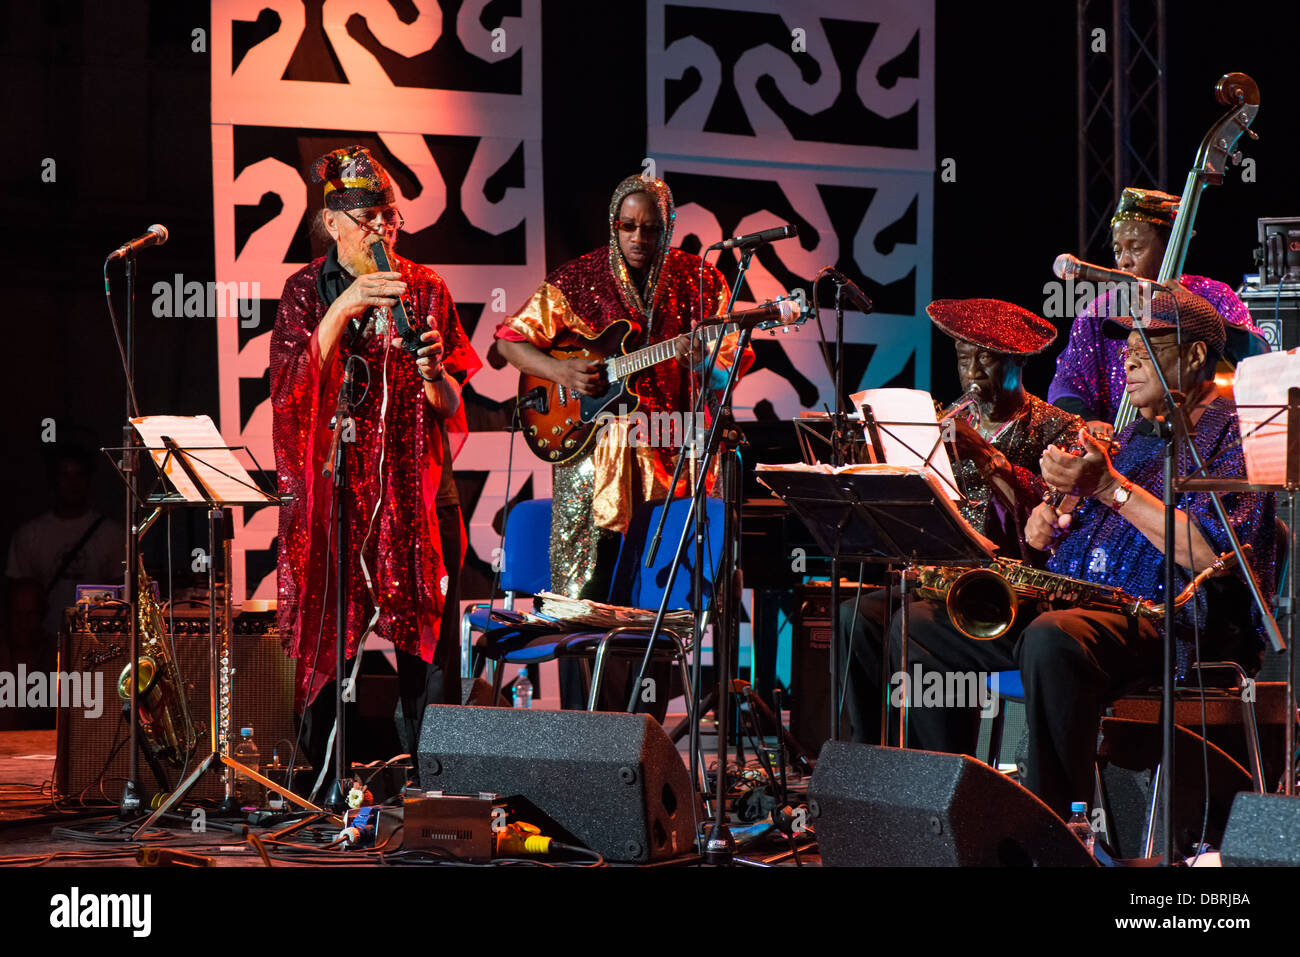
x=91, y=762
x=1277, y=312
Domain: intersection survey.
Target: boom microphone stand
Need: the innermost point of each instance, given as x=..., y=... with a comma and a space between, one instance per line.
x=130, y=804
x=1171, y=429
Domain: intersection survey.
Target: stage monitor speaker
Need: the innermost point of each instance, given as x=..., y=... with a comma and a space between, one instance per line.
x=611, y=782
x=1263, y=831
x=1127, y=757
x=874, y=806
x=91, y=761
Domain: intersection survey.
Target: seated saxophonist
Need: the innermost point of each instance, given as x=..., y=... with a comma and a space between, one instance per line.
x=1074, y=661
x=999, y=431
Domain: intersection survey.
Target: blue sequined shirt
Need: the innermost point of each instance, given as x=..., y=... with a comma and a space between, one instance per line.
x=1103, y=547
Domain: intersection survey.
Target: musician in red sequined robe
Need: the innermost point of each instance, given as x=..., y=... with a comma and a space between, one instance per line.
x=399, y=499
x=638, y=277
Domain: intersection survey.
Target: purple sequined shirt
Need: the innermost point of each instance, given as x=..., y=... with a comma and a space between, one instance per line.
x=1103, y=547
x=1090, y=374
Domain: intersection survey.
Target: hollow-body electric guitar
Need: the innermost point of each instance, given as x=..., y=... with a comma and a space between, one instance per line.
x=559, y=423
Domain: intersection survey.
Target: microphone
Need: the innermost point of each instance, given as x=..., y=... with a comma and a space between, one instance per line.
x=759, y=238
x=784, y=312
x=855, y=295
x=1072, y=267
x=156, y=236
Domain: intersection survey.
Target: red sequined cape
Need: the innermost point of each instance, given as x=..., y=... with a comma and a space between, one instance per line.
x=398, y=461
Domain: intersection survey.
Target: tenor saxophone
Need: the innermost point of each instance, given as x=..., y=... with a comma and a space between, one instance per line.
x=164, y=710
x=983, y=602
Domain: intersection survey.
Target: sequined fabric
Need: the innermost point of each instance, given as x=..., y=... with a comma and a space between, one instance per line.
x=574, y=536
x=1023, y=442
x=396, y=461
x=1090, y=372
x=1146, y=206
x=583, y=297
x=993, y=324
x=1102, y=547
x=353, y=179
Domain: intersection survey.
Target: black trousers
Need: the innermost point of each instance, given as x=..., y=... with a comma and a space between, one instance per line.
x=419, y=683
x=1072, y=663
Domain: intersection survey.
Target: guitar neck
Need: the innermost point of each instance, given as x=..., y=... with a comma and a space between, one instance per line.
x=622, y=366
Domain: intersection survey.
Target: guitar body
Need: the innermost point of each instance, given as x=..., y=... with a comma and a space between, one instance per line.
x=560, y=428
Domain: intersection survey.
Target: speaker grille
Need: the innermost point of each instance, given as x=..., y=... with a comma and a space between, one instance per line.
x=263, y=700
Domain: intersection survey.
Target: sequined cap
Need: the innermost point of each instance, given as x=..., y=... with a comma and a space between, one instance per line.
x=1176, y=308
x=353, y=179
x=993, y=324
x=1145, y=206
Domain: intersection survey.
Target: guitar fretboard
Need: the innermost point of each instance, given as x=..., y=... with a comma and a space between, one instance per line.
x=622, y=366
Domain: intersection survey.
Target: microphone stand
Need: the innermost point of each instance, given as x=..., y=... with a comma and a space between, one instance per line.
x=336, y=799
x=720, y=846
x=130, y=803
x=838, y=432
x=1175, y=423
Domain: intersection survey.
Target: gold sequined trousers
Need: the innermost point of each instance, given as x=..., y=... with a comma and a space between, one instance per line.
x=576, y=542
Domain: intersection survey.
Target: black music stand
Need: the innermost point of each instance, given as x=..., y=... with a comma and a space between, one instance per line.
x=209, y=484
x=885, y=514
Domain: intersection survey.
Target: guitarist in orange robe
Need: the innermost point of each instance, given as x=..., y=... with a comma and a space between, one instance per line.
x=637, y=277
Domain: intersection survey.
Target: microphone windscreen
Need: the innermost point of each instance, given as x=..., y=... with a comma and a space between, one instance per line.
x=1065, y=267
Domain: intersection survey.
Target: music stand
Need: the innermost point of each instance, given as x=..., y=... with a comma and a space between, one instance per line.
x=885, y=514
x=216, y=481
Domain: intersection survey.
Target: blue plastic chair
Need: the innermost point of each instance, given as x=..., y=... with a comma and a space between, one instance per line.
x=633, y=585
x=525, y=569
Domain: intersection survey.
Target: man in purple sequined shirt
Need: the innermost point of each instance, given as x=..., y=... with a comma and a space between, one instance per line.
x=1089, y=377
x=1074, y=660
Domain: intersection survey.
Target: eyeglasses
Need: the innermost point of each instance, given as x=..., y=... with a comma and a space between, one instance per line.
x=1139, y=355
x=390, y=217
x=629, y=227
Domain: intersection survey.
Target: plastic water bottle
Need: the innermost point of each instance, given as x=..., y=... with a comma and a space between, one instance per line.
x=248, y=793
x=1079, y=825
x=523, y=690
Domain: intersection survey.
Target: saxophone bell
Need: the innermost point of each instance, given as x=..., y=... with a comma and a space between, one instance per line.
x=164, y=712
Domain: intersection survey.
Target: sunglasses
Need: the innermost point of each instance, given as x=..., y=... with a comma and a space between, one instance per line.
x=629, y=227
x=389, y=216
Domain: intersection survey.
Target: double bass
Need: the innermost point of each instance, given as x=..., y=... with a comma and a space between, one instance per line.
x=1241, y=94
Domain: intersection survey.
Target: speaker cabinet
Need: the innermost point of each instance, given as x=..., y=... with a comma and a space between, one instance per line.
x=874, y=806
x=611, y=782
x=1263, y=831
x=91, y=762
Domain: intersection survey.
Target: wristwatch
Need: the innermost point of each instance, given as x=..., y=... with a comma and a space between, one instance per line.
x=1122, y=493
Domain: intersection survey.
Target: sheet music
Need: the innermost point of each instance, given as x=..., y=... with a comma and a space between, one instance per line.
x=909, y=431
x=210, y=459
x=1264, y=380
